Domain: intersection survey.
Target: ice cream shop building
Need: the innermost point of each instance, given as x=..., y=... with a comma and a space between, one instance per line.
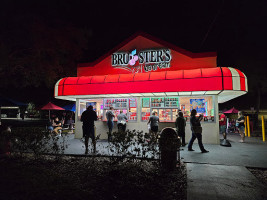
x=144, y=74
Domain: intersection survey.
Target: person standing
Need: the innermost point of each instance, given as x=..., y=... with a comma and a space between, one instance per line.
x=154, y=123
x=180, y=124
x=22, y=115
x=241, y=125
x=110, y=118
x=222, y=124
x=88, y=118
x=196, y=131
x=122, y=119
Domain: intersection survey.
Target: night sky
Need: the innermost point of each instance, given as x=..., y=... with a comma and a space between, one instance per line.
x=235, y=29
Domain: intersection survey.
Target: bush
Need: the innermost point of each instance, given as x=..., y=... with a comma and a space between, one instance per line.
x=133, y=144
x=131, y=171
x=88, y=178
x=124, y=147
x=37, y=141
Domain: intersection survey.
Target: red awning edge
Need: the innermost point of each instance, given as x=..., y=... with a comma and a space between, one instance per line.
x=224, y=81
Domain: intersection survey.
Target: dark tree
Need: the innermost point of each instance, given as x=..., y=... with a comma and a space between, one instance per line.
x=35, y=52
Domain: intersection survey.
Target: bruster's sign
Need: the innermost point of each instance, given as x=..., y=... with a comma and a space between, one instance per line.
x=142, y=61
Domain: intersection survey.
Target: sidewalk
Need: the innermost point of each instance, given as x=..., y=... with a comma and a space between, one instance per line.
x=222, y=173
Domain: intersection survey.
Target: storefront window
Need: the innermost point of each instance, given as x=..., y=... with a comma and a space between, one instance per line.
x=145, y=114
x=96, y=103
x=203, y=105
x=127, y=105
x=167, y=107
x=174, y=114
x=132, y=113
x=164, y=115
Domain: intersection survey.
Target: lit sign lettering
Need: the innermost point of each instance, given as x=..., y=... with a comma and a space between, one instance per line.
x=147, y=60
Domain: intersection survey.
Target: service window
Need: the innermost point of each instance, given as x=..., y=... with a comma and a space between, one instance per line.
x=127, y=105
x=96, y=103
x=203, y=105
x=132, y=112
x=166, y=108
x=174, y=114
x=145, y=112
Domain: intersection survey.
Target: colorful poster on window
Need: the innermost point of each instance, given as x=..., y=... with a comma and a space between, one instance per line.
x=182, y=108
x=206, y=106
x=165, y=115
x=157, y=102
x=91, y=104
x=132, y=116
x=145, y=102
x=145, y=116
x=171, y=102
x=132, y=103
x=198, y=105
x=212, y=112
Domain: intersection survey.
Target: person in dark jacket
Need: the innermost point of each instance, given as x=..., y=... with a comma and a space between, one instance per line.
x=88, y=117
x=154, y=123
x=196, y=131
x=180, y=127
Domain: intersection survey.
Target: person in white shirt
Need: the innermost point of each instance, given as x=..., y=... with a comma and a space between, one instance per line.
x=122, y=119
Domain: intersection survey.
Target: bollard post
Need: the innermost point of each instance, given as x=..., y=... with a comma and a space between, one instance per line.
x=248, y=126
x=169, y=145
x=263, y=128
x=245, y=126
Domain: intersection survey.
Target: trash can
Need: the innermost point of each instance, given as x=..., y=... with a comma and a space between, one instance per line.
x=169, y=146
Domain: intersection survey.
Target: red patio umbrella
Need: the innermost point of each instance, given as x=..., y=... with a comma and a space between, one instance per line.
x=232, y=110
x=51, y=106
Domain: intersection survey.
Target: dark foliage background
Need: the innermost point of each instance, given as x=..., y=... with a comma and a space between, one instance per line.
x=42, y=41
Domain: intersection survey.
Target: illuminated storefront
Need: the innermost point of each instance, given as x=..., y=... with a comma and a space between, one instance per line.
x=145, y=74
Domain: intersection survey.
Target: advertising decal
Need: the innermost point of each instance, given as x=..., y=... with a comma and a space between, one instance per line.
x=198, y=105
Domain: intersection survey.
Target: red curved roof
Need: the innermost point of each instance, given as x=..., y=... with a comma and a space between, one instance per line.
x=208, y=79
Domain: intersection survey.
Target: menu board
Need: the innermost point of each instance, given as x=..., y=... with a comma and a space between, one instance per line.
x=108, y=103
x=132, y=103
x=145, y=102
x=171, y=102
x=157, y=102
x=119, y=103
